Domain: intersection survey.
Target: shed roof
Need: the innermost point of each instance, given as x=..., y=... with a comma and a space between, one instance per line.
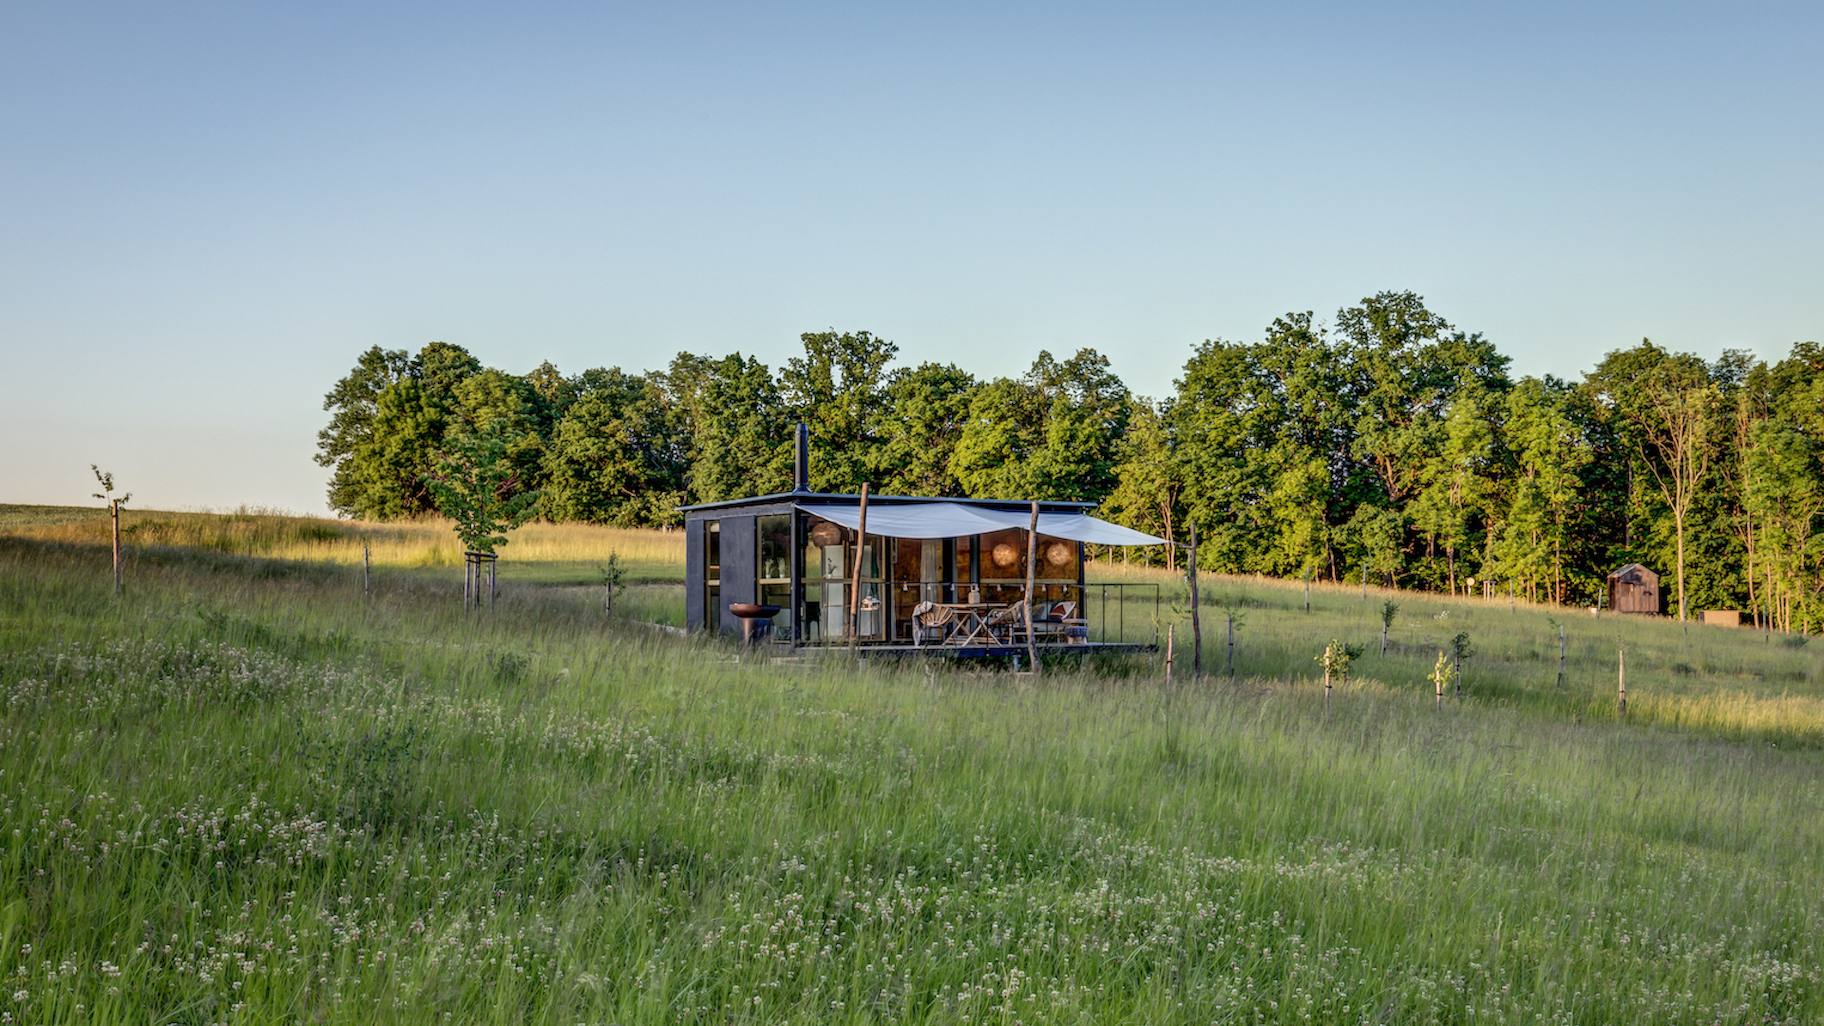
x=1632, y=569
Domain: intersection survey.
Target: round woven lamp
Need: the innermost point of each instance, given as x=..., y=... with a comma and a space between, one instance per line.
x=826, y=533
x=1058, y=554
x=1005, y=555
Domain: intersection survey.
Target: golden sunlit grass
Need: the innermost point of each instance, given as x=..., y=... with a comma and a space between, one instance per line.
x=562, y=553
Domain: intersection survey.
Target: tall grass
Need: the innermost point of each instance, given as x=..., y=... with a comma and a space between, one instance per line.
x=241, y=798
x=551, y=552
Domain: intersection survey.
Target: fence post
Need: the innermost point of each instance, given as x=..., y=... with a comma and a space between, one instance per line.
x=1561, y=655
x=1231, y=646
x=1170, y=628
x=114, y=511
x=367, y=573
x=1196, y=623
x=1621, y=681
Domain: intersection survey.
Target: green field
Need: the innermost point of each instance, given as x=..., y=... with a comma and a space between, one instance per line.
x=244, y=793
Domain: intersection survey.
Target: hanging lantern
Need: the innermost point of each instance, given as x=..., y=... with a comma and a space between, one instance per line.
x=1058, y=554
x=826, y=534
x=1005, y=555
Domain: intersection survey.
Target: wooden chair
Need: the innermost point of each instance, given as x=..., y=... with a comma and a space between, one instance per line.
x=929, y=624
x=1005, y=623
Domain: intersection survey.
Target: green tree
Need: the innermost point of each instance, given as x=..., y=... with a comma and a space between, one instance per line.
x=1053, y=434
x=352, y=405
x=1675, y=419
x=612, y=458
x=1217, y=420
x=387, y=427
x=1150, y=479
x=918, y=426
x=1550, y=453
x=835, y=388
x=477, y=486
x=736, y=426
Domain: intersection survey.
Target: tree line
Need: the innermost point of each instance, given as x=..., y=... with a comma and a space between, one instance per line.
x=1385, y=445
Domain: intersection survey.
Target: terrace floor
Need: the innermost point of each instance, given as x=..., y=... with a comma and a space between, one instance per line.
x=998, y=650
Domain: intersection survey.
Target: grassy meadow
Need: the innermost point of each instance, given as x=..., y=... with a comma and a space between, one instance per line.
x=244, y=793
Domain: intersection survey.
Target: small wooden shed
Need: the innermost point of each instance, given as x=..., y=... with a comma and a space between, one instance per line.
x=1634, y=589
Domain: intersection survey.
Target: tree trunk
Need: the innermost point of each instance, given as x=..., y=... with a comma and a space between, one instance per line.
x=1032, y=561
x=1681, y=565
x=861, y=543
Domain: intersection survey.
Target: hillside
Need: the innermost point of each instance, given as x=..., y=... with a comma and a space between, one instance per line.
x=245, y=793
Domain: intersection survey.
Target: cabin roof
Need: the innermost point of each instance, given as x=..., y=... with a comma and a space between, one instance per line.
x=886, y=500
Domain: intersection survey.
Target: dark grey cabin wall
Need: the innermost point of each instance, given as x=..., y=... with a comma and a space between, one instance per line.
x=740, y=562
x=693, y=572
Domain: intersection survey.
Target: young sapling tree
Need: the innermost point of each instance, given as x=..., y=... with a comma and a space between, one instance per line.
x=1460, y=649
x=106, y=477
x=613, y=576
x=1442, y=676
x=478, y=488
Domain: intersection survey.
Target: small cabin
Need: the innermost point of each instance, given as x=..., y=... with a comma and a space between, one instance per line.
x=941, y=574
x=1634, y=589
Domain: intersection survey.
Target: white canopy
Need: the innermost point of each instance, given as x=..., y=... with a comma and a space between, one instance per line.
x=955, y=520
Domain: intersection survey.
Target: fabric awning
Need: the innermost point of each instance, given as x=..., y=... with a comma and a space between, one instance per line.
x=955, y=520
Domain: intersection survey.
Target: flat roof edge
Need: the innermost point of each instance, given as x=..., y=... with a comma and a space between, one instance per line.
x=835, y=497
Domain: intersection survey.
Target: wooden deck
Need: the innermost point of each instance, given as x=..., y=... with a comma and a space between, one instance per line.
x=901, y=650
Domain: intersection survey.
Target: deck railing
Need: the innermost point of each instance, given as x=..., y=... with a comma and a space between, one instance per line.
x=1114, y=613
x=1123, y=613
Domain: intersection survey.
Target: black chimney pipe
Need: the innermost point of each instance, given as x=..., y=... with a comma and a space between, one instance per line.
x=801, y=474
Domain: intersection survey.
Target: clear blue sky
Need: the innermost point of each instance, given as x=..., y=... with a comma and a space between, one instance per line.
x=206, y=211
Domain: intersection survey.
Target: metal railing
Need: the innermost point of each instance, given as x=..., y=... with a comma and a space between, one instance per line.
x=1123, y=613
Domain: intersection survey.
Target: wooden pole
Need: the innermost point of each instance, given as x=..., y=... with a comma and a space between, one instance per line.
x=367, y=573
x=1561, y=655
x=861, y=541
x=1231, y=644
x=1032, y=566
x=1307, y=591
x=1621, y=681
x=1169, y=628
x=114, y=512
x=1196, y=622
x=493, y=583
x=1510, y=594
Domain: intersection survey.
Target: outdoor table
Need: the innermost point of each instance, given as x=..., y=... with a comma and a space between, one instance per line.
x=971, y=620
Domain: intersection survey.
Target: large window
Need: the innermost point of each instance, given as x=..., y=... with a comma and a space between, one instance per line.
x=712, y=575
x=829, y=552
x=918, y=576
x=775, y=576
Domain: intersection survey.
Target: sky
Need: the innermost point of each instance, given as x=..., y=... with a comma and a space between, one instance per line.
x=207, y=211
